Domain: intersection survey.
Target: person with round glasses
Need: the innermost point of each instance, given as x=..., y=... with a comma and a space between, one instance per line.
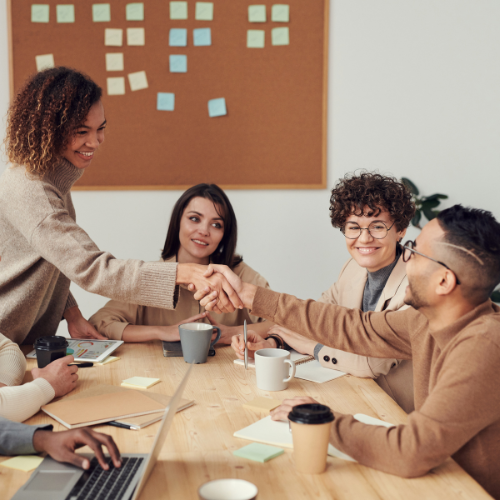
x=373, y=212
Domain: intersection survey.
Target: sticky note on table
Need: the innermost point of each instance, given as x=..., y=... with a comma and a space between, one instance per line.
x=65, y=13
x=202, y=37
x=178, y=10
x=177, y=37
x=109, y=359
x=217, y=107
x=204, y=11
x=44, y=61
x=113, y=37
x=280, y=13
x=39, y=13
x=116, y=85
x=259, y=452
x=257, y=13
x=262, y=404
x=134, y=12
x=114, y=62
x=165, y=101
x=136, y=36
x=256, y=39
x=25, y=463
x=140, y=382
x=178, y=63
x=101, y=12
x=280, y=36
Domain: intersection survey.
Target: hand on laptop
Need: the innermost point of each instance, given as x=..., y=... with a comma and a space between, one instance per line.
x=61, y=446
x=59, y=375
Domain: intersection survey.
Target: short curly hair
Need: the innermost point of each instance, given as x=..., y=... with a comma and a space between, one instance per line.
x=44, y=116
x=354, y=193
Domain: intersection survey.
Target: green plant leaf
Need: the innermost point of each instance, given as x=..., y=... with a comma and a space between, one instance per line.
x=429, y=204
x=416, y=218
x=429, y=214
x=437, y=196
x=409, y=184
x=495, y=296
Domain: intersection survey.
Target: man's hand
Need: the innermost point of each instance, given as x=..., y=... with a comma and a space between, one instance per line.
x=61, y=446
x=59, y=375
x=171, y=333
x=79, y=327
x=298, y=342
x=281, y=413
x=226, y=332
x=254, y=343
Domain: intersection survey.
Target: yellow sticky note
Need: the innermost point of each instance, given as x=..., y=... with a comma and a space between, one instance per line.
x=116, y=86
x=140, y=382
x=114, y=62
x=25, y=463
x=262, y=404
x=136, y=36
x=109, y=359
x=113, y=37
x=138, y=81
x=44, y=61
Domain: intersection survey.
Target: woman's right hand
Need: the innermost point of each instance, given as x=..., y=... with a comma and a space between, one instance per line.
x=171, y=333
x=254, y=343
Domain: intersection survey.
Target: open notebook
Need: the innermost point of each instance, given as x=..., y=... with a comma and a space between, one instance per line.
x=307, y=368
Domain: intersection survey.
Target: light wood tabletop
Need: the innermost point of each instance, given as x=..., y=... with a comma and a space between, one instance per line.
x=200, y=443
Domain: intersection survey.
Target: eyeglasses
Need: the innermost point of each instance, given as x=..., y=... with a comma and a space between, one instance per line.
x=377, y=230
x=409, y=248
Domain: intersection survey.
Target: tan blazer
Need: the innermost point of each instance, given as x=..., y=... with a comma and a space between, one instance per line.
x=394, y=376
x=115, y=316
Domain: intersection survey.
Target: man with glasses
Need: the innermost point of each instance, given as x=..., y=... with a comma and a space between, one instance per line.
x=452, y=333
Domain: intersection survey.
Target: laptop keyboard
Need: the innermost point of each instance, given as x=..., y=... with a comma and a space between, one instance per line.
x=99, y=484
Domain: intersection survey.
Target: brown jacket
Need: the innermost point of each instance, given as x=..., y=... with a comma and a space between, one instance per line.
x=456, y=380
x=394, y=376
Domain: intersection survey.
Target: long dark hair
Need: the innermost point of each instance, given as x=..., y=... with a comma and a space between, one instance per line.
x=225, y=252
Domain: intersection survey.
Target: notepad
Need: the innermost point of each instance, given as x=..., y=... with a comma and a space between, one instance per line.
x=294, y=356
x=140, y=382
x=259, y=452
x=25, y=463
x=313, y=371
x=262, y=404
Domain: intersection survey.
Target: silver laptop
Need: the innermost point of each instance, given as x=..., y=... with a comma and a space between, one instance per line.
x=56, y=481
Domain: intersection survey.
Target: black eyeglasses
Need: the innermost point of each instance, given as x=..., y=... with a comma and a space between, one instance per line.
x=377, y=230
x=409, y=248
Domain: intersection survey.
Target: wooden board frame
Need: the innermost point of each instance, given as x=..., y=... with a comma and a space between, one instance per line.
x=322, y=184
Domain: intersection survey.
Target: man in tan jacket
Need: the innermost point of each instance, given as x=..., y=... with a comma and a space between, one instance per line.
x=452, y=333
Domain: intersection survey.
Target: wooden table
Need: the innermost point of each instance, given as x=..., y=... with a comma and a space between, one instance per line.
x=200, y=443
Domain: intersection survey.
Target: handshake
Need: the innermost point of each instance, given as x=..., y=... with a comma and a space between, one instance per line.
x=216, y=287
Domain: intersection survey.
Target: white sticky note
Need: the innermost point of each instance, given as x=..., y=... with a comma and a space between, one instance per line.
x=138, y=80
x=256, y=39
x=136, y=36
x=116, y=85
x=280, y=36
x=44, y=61
x=101, y=13
x=280, y=13
x=204, y=11
x=65, y=13
x=257, y=13
x=114, y=62
x=39, y=13
x=113, y=37
x=178, y=10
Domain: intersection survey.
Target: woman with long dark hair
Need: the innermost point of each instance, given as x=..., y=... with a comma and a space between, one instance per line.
x=202, y=230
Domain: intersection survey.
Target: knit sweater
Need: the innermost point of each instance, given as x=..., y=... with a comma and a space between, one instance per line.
x=43, y=250
x=456, y=380
x=19, y=402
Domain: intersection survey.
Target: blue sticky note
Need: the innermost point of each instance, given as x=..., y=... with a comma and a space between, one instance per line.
x=202, y=37
x=178, y=63
x=259, y=452
x=177, y=37
x=165, y=101
x=217, y=107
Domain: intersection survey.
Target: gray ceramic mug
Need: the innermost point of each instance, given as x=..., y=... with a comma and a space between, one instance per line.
x=196, y=341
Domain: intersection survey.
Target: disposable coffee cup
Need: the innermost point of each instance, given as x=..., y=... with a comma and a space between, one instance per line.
x=196, y=341
x=49, y=349
x=228, y=489
x=310, y=424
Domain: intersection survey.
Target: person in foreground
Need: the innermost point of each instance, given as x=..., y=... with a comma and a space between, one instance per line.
x=373, y=212
x=202, y=229
x=55, y=126
x=21, y=439
x=452, y=333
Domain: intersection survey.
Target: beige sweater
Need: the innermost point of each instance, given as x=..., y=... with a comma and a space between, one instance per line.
x=115, y=316
x=456, y=381
x=20, y=402
x=43, y=250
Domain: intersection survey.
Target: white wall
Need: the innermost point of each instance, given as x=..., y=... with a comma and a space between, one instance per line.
x=413, y=91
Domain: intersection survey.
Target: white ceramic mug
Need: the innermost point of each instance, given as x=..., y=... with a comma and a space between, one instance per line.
x=272, y=367
x=228, y=489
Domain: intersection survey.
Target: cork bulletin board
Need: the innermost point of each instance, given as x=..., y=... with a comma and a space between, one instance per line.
x=258, y=67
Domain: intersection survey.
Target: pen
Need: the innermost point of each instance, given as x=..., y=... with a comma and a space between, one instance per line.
x=119, y=424
x=245, y=338
x=82, y=365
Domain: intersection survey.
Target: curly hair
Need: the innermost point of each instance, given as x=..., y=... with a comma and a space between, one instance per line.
x=44, y=116
x=353, y=194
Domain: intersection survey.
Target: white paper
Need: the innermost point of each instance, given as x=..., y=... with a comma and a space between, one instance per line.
x=314, y=372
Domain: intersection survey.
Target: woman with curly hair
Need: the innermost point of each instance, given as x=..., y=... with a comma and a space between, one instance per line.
x=55, y=126
x=373, y=212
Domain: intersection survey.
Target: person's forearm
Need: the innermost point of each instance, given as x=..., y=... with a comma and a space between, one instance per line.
x=141, y=333
x=72, y=313
x=247, y=294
